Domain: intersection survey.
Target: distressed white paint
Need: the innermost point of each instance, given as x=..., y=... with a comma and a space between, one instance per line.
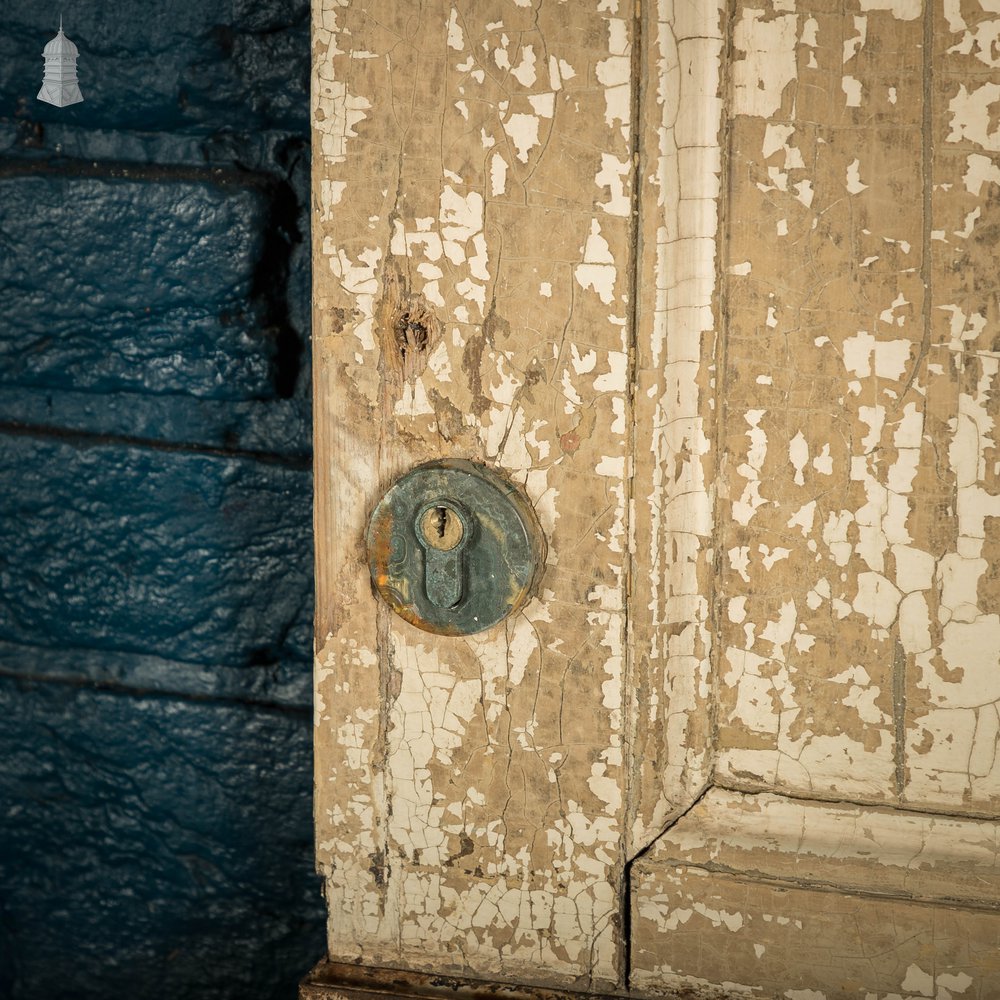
x=854, y=651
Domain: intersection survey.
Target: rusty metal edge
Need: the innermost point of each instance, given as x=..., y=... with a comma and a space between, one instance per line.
x=342, y=981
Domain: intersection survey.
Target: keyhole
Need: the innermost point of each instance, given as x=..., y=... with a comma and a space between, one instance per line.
x=442, y=528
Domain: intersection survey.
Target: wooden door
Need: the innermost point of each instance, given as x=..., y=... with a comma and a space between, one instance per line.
x=713, y=287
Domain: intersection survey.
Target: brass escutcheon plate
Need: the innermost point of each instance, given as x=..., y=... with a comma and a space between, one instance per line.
x=454, y=547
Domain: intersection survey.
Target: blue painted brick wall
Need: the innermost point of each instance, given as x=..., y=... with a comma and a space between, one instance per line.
x=155, y=505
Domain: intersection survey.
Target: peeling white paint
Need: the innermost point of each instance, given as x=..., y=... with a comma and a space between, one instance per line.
x=765, y=62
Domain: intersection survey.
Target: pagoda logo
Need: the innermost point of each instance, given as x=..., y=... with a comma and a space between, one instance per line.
x=59, y=85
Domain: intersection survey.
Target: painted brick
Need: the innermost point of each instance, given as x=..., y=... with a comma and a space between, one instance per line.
x=279, y=426
x=176, y=843
x=111, y=285
x=189, y=556
x=164, y=66
x=155, y=598
x=285, y=682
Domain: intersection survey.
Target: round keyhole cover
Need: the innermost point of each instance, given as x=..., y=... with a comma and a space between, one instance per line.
x=476, y=523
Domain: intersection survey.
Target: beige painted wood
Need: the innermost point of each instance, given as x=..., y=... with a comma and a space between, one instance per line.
x=857, y=647
x=673, y=580
x=474, y=171
x=859, y=651
x=714, y=284
x=762, y=895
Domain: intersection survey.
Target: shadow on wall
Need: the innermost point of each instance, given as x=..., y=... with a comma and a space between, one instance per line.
x=155, y=516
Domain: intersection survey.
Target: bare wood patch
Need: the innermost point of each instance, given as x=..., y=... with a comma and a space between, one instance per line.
x=408, y=327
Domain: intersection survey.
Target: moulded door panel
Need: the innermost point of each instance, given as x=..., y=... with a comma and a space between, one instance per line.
x=711, y=284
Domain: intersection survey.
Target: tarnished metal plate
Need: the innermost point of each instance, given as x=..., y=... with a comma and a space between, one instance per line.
x=454, y=548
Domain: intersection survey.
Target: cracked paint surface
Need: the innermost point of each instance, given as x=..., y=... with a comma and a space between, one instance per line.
x=762, y=895
x=749, y=387
x=953, y=696
x=471, y=793
x=859, y=633
x=857, y=643
x=671, y=588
